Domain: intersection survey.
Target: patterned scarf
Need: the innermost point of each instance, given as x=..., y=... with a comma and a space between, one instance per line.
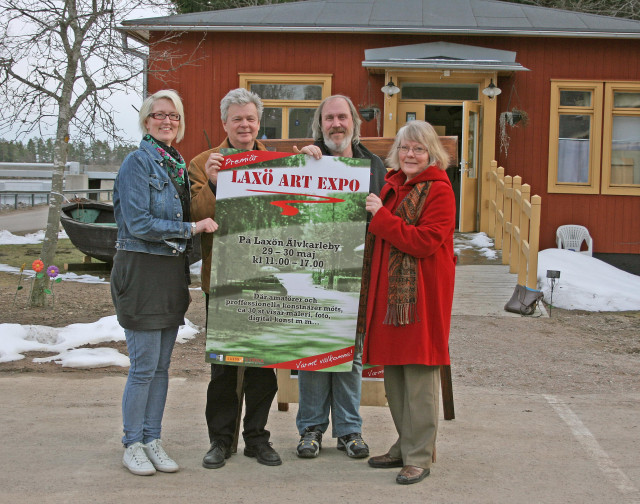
x=171, y=159
x=403, y=269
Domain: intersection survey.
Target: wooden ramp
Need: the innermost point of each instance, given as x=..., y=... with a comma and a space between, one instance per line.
x=483, y=290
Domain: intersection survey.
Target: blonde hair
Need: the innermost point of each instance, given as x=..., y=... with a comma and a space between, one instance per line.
x=423, y=133
x=147, y=106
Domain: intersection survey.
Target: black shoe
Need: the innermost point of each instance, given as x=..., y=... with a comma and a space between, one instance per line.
x=310, y=443
x=411, y=474
x=216, y=455
x=354, y=445
x=264, y=453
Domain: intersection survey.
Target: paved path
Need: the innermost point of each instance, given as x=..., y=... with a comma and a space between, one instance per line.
x=60, y=444
x=25, y=221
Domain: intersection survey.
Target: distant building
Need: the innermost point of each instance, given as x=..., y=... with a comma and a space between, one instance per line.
x=26, y=184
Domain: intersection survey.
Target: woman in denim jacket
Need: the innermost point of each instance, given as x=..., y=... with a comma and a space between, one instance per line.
x=150, y=276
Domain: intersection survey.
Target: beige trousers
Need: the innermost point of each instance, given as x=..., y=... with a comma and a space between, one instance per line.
x=413, y=393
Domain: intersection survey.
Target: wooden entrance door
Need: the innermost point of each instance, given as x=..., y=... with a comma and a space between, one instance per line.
x=469, y=154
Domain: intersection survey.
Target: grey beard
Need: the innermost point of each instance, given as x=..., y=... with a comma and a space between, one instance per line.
x=341, y=147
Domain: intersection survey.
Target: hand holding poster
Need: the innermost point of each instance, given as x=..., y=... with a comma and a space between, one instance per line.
x=287, y=261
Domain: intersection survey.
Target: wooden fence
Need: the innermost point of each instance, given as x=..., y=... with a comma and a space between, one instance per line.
x=514, y=224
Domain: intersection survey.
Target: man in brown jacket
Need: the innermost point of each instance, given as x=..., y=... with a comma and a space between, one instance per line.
x=241, y=112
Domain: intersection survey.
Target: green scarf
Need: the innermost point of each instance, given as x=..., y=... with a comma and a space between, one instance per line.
x=171, y=159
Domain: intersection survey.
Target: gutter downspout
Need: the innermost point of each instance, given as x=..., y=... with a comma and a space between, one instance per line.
x=145, y=62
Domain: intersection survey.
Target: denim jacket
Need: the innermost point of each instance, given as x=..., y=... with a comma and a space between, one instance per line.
x=147, y=206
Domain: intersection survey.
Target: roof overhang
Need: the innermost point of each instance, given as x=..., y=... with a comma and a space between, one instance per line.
x=141, y=32
x=444, y=64
x=441, y=56
x=401, y=17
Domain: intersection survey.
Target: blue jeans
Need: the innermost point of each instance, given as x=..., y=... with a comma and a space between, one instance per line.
x=321, y=392
x=145, y=393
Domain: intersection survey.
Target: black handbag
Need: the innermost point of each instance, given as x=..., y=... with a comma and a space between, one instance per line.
x=524, y=300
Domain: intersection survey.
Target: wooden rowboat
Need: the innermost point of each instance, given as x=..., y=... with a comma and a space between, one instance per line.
x=91, y=227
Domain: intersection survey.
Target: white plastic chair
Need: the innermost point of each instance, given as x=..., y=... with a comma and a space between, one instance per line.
x=571, y=236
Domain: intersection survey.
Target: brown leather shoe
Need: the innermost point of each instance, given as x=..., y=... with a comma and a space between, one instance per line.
x=385, y=461
x=411, y=474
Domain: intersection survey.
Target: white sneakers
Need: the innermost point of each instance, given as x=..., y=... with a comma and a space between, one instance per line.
x=144, y=460
x=158, y=457
x=136, y=460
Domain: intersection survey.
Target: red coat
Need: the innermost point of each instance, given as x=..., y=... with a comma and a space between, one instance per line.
x=427, y=340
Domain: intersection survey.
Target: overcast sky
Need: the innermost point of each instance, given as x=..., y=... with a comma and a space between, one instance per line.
x=126, y=118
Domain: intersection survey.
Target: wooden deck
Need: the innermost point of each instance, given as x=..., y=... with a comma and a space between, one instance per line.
x=483, y=290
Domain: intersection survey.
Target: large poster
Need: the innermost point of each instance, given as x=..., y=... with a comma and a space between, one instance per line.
x=287, y=261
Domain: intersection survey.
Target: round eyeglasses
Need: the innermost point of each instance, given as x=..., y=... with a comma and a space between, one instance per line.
x=418, y=151
x=160, y=116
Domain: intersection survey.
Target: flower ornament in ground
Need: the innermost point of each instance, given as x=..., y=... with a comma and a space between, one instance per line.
x=52, y=272
x=19, y=288
x=37, y=266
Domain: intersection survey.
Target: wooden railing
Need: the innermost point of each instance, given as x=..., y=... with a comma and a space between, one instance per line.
x=514, y=224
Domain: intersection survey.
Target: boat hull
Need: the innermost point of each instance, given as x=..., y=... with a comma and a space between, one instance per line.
x=97, y=239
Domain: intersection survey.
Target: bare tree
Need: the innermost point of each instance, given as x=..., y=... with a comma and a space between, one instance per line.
x=60, y=62
x=618, y=8
x=189, y=6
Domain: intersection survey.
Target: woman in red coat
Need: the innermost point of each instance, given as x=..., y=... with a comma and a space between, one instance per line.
x=410, y=292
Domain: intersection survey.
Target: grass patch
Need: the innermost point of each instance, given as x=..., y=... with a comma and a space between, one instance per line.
x=16, y=255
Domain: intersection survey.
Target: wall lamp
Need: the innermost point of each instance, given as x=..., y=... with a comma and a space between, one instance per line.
x=390, y=89
x=491, y=90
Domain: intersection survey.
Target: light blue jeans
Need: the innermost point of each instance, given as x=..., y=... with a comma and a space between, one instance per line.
x=338, y=393
x=145, y=393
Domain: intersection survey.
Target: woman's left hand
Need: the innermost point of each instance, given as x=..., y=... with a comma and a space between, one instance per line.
x=207, y=225
x=373, y=203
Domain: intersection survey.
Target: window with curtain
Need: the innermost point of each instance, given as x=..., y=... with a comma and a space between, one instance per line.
x=594, y=139
x=574, y=141
x=621, y=139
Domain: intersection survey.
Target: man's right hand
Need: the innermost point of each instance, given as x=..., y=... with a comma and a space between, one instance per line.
x=213, y=165
x=309, y=150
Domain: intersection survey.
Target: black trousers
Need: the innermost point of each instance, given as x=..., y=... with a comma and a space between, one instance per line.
x=260, y=388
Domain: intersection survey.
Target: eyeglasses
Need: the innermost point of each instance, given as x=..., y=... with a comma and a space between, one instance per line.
x=418, y=151
x=160, y=116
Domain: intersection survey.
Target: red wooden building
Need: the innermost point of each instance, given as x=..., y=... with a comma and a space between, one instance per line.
x=575, y=76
